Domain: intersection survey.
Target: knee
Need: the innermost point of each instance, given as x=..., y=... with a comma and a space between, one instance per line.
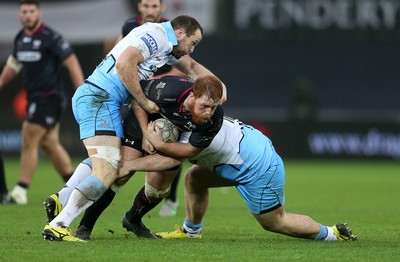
x=154, y=194
x=192, y=177
x=273, y=221
x=46, y=146
x=271, y=227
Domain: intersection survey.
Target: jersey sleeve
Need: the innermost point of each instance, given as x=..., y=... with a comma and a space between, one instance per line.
x=149, y=43
x=14, y=52
x=60, y=48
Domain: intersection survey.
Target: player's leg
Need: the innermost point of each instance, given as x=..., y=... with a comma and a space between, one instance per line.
x=270, y=212
x=54, y=203
x=171, y=202
x=32, y=134
x=105, y=160
x=302, y=226
x=198, y=180
x=4, y=198
x=157, y=187
x=56, y=152
x=101, y=130
x=93, y=212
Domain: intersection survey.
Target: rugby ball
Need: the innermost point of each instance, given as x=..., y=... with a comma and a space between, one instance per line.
x=169, y=131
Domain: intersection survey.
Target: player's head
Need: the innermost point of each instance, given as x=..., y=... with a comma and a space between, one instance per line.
x=189, y=33
x=29, y=14
x=151, y=10
x=204, y=99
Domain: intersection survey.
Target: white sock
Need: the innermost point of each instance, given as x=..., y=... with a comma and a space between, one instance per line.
x=190, y=232
x=77, y=203
x=80, y=174
x=330, y=236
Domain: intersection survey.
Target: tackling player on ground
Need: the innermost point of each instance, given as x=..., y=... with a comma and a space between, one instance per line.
x=239, y=156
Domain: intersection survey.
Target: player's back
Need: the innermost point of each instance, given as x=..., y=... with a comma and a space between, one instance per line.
x=235, y=150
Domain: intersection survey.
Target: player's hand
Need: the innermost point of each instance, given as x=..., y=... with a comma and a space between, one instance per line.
x=153, y=134
x=147, y=146
x=150, y=107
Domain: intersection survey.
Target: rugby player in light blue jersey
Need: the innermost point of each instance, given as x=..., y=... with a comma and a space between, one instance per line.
x=96, y=104
x=240, y=156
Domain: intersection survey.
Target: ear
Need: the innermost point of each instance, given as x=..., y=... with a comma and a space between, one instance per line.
x=180, y=33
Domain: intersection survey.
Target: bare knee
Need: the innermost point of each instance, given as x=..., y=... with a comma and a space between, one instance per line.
x=193, y=178
x=272, y=221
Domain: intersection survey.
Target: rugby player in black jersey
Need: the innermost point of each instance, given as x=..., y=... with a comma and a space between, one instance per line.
x=38, y=53
x=191, y=107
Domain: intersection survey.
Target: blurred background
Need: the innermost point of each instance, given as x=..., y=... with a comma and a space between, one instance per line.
x=319, y=77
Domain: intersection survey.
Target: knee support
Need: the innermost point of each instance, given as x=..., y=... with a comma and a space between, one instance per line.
x=112, y=155
x=155, y=194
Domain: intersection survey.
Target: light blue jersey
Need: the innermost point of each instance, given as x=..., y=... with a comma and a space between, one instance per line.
x=245, y=156
x=97, y=102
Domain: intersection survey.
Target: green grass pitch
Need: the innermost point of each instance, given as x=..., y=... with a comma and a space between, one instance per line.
x=363, y=193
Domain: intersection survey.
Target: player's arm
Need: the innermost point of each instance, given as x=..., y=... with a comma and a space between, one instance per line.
x=149, y=163
x=126, y=66
x=143, y=119
x=10, y=70
x=74, y=69
x=175, y=150
x=194, y=70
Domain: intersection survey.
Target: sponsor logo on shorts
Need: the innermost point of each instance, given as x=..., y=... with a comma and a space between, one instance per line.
x=150, y=43
x=104, y=124
x=50, y=120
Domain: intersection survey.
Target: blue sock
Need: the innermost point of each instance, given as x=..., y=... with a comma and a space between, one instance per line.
x=323, y=232
x=192, y=226
x=92, y=188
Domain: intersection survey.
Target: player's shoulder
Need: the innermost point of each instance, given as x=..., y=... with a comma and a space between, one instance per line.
x=19, y=35
x=48, y=32
x=132, y=22
x=183, y=80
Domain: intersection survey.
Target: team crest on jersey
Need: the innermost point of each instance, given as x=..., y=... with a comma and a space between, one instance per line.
x=36, y=43
x=150, y=43
x=26, y=39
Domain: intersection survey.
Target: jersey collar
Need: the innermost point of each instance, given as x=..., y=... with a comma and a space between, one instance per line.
x=31, y=33
x=170, y=33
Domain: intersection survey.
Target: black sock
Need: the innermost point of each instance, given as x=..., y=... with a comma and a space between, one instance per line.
x=94, y=211
x=174, y=186
x=141, y=206
x=66, y=177
x=23, y=185
x=3, y=185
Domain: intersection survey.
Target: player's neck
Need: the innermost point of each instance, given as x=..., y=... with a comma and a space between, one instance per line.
x=31, y=31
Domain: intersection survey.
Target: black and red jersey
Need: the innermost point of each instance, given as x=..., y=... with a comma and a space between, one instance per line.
x=169, y=93
x=41, y=55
